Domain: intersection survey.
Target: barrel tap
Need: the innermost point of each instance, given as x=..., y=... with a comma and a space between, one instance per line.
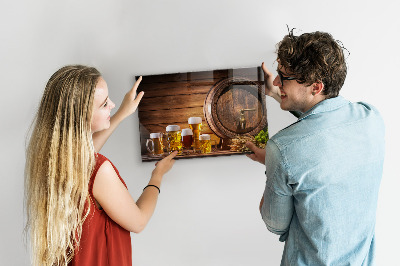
x=242, y=119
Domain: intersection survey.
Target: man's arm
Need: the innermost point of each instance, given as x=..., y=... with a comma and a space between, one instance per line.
x=274, y=91
x=277, y=207
x=276, y=211
x=270, y=89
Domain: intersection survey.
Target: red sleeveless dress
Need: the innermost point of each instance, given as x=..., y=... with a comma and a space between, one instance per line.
x=103, y=241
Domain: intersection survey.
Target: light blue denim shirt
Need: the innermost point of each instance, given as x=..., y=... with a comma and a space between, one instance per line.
x=323, y=175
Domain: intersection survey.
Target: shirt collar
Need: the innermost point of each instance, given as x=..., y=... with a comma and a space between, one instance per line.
x=325, y=106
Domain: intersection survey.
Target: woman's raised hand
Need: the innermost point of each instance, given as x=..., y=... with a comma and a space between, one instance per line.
x=131, y=101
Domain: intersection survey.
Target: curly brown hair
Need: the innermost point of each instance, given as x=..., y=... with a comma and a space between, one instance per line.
x=314, y=57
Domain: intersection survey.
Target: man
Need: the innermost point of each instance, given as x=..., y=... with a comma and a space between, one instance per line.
x=323, y=171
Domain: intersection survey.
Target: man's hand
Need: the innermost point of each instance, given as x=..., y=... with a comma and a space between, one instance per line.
x=270, y=89
x=259, y=154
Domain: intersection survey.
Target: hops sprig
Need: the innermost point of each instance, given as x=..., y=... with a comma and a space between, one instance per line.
x=260, y=140
x=262, y=136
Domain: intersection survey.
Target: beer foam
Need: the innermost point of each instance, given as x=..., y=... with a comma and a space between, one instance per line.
x=187, y=132
x=173, y=128
x=155, y=135
x=194, y=120
x=204, y=137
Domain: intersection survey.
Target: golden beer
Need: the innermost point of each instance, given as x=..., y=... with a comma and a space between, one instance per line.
x=195, y=126
x=205, y=143
x=174, y=139
x=156, y=141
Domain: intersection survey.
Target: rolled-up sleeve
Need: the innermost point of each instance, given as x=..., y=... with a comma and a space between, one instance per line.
x=277, y=208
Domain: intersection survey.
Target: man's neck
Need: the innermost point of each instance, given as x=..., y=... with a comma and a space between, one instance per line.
x=316, y=100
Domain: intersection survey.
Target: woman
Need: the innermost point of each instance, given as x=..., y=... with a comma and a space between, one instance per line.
x=78, y=207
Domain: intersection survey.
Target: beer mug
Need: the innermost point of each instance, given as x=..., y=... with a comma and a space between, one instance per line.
x=187, y=138
x=156, y=141
x=195, y=126
x=205, y=143
x=174, y=138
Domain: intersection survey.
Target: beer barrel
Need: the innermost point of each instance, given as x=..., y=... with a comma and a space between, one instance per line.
x=236, y=106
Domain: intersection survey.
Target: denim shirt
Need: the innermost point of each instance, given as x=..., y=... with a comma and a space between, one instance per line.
x=323, y=175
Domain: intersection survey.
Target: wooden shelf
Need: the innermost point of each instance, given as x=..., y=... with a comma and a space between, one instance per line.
x=191, y=154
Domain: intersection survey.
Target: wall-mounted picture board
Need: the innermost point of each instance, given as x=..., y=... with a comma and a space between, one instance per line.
x=202, y=114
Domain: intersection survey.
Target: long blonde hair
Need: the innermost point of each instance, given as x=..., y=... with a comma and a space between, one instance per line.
x=59, y=162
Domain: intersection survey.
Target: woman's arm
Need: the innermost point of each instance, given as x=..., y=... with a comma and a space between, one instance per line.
x=128, y=107
x=116, y=201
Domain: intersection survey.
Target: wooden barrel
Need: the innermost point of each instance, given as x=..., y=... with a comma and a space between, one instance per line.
x=236, y=106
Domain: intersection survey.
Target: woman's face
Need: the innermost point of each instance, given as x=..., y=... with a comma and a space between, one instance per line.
x=102, y=106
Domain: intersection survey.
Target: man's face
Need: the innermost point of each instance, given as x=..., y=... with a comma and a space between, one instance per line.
x=294, y=96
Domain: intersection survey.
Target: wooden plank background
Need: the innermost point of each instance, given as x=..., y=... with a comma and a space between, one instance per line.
x=170, y=99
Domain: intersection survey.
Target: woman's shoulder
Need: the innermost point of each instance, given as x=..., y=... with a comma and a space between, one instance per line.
x=106, y=167
x=102, y=164
x=99, y=161
x=100, y=158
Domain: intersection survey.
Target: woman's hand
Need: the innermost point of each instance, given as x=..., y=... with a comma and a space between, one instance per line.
x=270, y=89
x=131, y=101
x=163, y=166
x=128, y=107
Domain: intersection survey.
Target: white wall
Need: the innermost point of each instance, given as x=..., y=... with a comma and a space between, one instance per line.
x=208, y=208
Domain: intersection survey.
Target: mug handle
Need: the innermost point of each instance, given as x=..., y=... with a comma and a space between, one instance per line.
x=147, y=145
x=215, y=145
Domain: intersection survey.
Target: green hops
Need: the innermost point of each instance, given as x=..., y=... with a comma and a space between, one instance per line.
x=262, y=136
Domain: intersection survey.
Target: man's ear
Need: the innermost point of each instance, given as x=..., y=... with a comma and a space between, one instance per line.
x=317, y=88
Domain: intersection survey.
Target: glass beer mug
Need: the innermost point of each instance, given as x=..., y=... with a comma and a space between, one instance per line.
x=195, y=126
x=156, y=141
x=205, y=143
x=187, y=138
x=174, y=138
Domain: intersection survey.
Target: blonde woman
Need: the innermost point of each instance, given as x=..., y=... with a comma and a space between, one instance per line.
x=78, y=207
